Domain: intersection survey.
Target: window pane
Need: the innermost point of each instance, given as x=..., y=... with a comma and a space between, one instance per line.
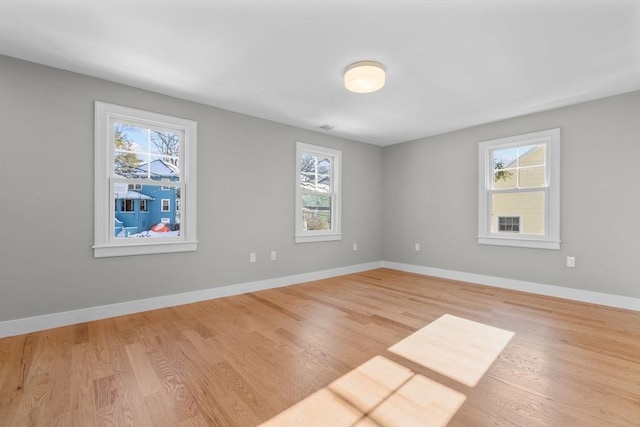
x=530, y=177
x=151, y=211
x=324, y=184
x=316, y=212
x=324, y=166
x=307, y=163
x=307, y=181
x=504, y=166
x=528, y=207
x=125, y=163
x=532, y=155
x=504, y=178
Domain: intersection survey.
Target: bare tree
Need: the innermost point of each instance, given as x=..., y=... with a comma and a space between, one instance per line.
x=168, y=144
x=310, y=166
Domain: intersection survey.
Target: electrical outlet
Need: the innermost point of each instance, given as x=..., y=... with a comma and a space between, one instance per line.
x=273, y=255
x=571, y=262
x=355, y=246
x=252, y=257
x=417, y=246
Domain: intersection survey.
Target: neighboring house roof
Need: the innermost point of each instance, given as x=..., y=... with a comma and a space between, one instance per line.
x=133, y=195
x=157, y=168
x=533, y=150
x=322, y=188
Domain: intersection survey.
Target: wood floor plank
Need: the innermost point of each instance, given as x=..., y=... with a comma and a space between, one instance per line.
x=247, y=359
x=146, y=377
x=82, y=397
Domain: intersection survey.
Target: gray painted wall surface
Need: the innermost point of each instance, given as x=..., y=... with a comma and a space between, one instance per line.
x=430, y=197
x=422, y=191
x=245, y=198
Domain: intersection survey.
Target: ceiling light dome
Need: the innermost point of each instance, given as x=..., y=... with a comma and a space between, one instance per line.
x=364, y=77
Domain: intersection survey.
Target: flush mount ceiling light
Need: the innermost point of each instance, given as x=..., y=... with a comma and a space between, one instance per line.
x=364, y=77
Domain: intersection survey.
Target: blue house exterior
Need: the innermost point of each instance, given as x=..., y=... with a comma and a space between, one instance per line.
x=144, y=206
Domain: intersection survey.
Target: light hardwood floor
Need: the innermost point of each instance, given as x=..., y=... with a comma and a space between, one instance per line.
x=243, y=360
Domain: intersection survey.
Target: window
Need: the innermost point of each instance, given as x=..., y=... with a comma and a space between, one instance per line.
x=519, y=191
x=317, y=193
x=509, y=224
x=135, y=151
x=126, y=205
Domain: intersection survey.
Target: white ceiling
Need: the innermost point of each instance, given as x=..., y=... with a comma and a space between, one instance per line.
x=450, y=64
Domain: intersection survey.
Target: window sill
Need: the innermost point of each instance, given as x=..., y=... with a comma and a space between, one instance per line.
x=317, y=238
x=519, y=242
x=143, y=249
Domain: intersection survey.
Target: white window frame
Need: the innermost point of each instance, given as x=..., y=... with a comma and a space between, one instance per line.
x=105, y=243
x=551, y=189
x=168, y=209
x=135, y=187
x=335, y=233
x=146, y=206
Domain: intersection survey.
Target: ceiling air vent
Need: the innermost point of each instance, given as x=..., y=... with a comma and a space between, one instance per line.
x=326, y=127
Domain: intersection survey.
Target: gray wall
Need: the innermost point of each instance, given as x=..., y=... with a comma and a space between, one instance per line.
x=421, y=191
x=430, y=195
x=245, y=198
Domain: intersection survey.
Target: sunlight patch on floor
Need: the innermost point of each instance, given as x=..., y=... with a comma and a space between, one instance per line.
x=382, y=392
x=458, y=348
x=378, y=392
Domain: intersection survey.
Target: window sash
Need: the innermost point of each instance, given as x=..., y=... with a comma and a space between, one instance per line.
x=521, y=234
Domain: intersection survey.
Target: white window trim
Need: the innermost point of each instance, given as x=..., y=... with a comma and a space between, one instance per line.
x=106, y=245
x=302, y=236
x=551, y=239
x=162, y=209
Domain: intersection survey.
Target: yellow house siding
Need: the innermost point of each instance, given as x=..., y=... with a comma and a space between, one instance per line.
x=529, y=206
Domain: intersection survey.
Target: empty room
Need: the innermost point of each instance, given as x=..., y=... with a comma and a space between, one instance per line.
x=320, y=213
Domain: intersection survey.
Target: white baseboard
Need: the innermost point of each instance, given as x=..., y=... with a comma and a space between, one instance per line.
x=55, y=320
x=618, y=301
